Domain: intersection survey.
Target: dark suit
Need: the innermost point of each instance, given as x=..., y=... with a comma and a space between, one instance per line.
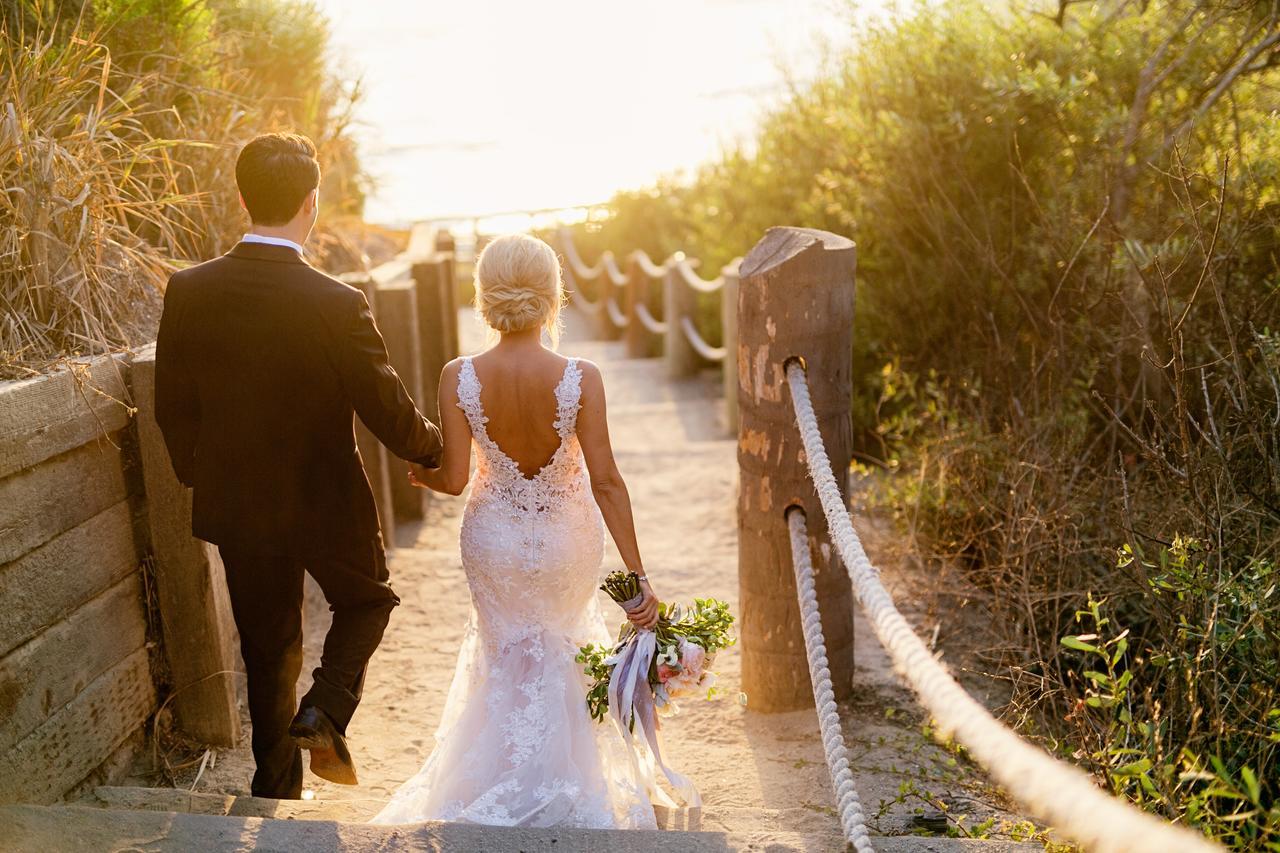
x=261, y=362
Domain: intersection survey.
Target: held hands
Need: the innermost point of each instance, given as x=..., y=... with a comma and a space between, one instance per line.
x=418, y=474
x=646, y=614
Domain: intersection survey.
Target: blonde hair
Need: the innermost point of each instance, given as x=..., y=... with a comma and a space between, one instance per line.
x=518, y=285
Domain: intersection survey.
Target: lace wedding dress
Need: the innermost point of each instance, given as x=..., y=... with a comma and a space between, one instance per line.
x=516, y=745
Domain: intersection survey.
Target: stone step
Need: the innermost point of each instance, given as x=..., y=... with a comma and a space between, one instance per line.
x=344, y=811
x=78, y=829
x=165, y=819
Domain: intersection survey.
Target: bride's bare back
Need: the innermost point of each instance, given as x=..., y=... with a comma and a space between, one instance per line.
x=518, y=395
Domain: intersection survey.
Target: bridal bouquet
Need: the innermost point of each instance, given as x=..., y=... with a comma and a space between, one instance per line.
x=646, y=670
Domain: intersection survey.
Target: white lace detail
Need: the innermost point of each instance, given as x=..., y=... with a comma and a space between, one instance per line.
x=516, y=746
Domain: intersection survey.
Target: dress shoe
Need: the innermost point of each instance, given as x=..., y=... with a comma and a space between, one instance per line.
x=330, y=759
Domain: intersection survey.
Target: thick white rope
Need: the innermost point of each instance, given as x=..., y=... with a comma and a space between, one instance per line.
x=1059, y=793
x=852, y=819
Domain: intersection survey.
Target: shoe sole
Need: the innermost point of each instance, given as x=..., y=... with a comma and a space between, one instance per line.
x=325, y=762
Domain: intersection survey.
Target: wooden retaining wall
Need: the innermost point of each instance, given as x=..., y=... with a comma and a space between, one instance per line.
x=75, y=678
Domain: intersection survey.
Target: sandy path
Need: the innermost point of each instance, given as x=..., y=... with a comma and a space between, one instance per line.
x=763, y=778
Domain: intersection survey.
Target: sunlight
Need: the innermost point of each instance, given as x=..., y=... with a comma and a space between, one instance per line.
x=485, y=107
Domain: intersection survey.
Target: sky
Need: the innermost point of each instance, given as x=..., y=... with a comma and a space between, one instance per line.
x=480, y=106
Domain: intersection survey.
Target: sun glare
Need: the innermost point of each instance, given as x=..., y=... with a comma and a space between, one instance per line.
x=493, y=107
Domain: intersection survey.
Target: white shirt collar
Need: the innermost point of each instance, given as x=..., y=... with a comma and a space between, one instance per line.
x=271, y=241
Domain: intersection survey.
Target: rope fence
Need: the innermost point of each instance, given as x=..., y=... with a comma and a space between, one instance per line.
x=1063, y=795
x=852, y=819
x=615, y=296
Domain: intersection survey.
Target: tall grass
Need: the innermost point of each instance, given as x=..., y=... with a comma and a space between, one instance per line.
x=73, y=267
x=119, y=125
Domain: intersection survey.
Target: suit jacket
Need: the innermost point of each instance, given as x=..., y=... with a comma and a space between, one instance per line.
x=261, y=362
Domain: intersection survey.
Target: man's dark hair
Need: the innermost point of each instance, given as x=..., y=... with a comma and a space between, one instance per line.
x=275, y=172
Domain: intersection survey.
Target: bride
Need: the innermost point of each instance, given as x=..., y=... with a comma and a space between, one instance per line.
x=516, y=745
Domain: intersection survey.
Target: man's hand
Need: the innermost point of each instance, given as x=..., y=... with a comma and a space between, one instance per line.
x=418, y=474
x=646, y=615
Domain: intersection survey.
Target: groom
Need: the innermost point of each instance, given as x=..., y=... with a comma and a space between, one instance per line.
x=261, y=362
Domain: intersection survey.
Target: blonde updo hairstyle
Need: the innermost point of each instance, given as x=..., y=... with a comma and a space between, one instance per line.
x=518, y=285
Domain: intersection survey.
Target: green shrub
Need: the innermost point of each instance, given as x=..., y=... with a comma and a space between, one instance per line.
x=1066, y=220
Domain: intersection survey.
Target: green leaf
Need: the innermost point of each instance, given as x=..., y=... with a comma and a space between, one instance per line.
x=1251, y=784
x=1133, y=768
x=1078, y=644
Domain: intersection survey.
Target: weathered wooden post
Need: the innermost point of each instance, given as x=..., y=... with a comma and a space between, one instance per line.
x=795, y=300
x=446, y=247
x=396, y=305
x=729, y=335
x=635, y=338
x=374, y=455
x=678, y=300
x=437, y=315
x=195, y=609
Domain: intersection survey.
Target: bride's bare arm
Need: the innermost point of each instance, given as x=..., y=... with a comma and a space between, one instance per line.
x=608, y=486
x=455, y=466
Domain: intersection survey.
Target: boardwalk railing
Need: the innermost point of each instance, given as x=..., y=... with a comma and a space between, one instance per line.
x=793, y=346
x=620, y=308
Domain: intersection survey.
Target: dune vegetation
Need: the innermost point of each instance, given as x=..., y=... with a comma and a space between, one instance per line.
x=1068, y=344
x=119, y=125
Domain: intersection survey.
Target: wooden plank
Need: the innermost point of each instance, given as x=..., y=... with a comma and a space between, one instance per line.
x=46, y=584
x=47, y=415
x=51, y=670
x=80, y=735
x=114, y=769
x=191, y=587
x=39, y=503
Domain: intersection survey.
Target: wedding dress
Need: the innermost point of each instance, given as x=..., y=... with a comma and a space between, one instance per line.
x=516, y=745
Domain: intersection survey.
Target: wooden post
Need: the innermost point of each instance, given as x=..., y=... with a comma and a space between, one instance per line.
x=609, y=292
x=195, y=609
x=437, y=315
x=636, y=336
x=447, y=248
x=795, y=300
x=729, y=333
x=373, y=454
x=678, y=300
x=396, y=305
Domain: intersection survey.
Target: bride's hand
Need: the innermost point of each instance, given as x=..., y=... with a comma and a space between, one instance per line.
x=646, y=615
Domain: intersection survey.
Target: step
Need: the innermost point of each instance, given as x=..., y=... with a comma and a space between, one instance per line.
x=135, y=820
x=79, y=829
x=343, y=811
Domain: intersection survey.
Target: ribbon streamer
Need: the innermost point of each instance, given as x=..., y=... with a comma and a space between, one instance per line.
x=631, y=698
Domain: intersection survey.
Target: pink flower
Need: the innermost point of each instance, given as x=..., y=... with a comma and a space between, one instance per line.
x=665, y=672
x=693, y=658
x=690, y=671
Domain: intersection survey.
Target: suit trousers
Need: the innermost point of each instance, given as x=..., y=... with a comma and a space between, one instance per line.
x=265, y=587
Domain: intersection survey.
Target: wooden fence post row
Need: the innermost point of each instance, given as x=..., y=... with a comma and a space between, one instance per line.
x=795, y=300
x=621, y=309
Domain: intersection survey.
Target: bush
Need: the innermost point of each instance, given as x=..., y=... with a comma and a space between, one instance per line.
x=1066, y=222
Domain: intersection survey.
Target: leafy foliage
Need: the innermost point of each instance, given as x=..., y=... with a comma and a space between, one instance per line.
x=1066, y=218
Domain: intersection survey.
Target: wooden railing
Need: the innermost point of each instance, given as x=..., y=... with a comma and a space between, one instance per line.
x=684, y=347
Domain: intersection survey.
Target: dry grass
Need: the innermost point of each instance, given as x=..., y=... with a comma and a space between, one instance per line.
x=73, y=270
